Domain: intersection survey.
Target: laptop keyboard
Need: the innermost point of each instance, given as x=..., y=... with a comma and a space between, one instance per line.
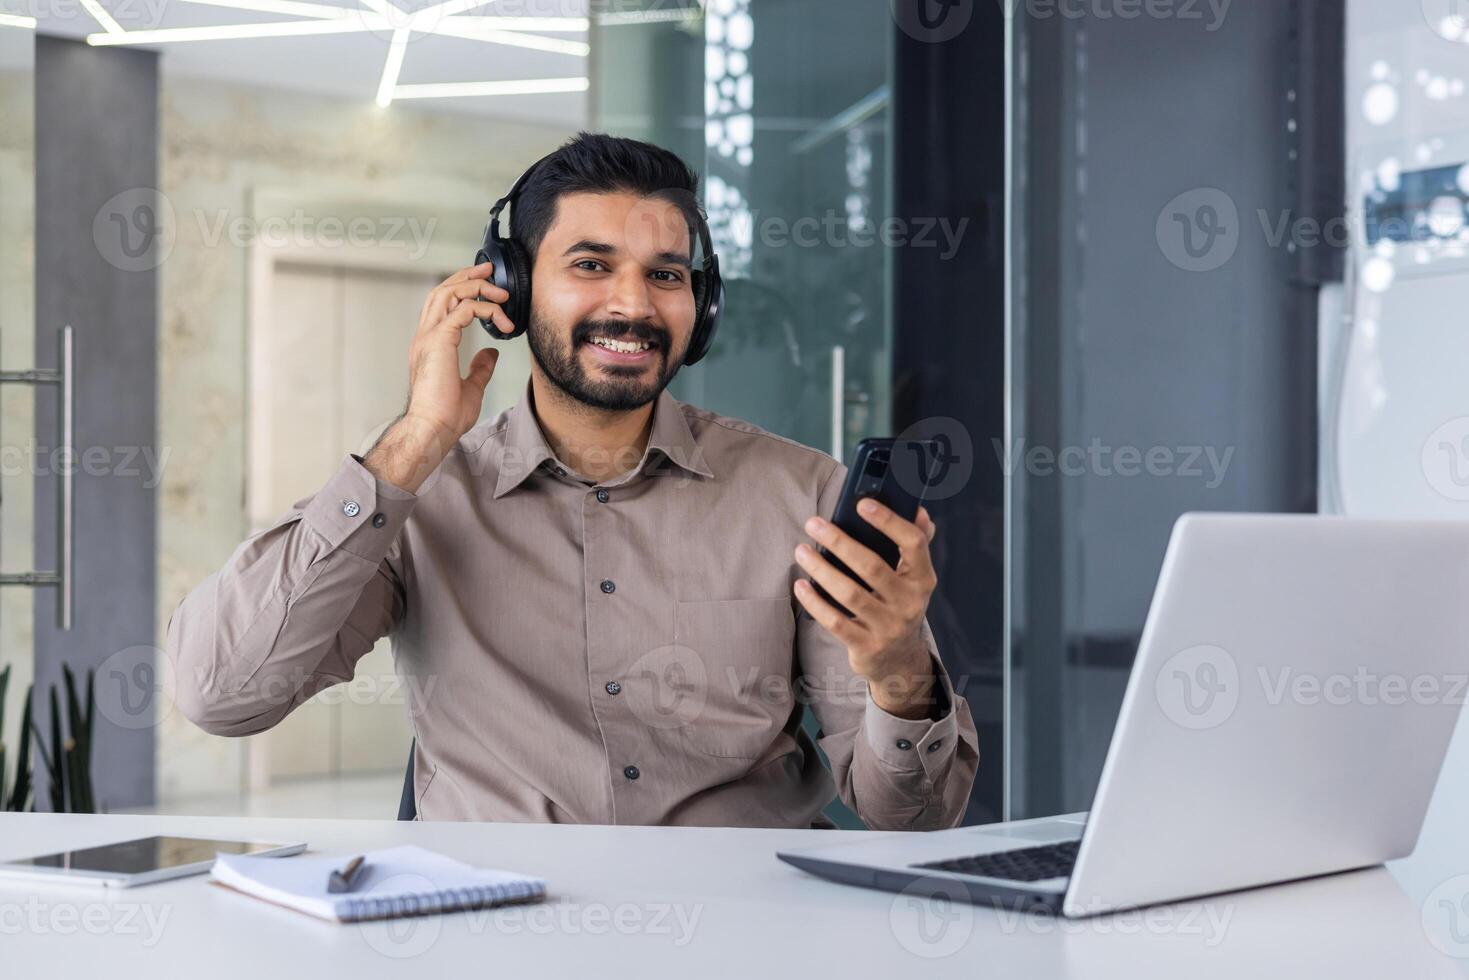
x=1027, y=864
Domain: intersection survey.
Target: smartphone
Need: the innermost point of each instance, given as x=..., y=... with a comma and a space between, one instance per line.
x=898, y=473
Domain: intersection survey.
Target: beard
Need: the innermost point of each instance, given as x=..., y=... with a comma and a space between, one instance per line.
x=609, y=387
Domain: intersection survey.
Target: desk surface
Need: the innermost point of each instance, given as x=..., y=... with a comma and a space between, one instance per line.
x=666, y=902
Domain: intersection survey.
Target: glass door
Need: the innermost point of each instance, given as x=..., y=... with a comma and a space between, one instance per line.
x=17, y=351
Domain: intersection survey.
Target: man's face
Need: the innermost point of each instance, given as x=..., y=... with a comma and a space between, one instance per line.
x=612, y=268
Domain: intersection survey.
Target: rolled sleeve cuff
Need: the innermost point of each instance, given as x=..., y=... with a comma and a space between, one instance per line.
x=359, y=513
x=914, y=744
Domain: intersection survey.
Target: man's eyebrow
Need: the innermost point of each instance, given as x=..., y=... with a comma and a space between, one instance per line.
x=675, y=258
x=603, y=248
x=596, y=248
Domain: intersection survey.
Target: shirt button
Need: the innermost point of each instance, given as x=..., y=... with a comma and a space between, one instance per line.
x=631, y=772
x=613, y=687
x=904, y=744
x=608, y=586
x=351, y=508
x=560, y=471
x=378, y=520
x=934, y=745
x=602, y=496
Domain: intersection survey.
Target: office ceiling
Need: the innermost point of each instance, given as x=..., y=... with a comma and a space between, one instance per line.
x=352, y=47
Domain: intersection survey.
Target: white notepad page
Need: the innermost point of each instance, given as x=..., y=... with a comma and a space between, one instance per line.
x=396, y=881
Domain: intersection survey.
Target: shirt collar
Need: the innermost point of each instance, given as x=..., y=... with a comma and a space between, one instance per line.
x=525, y=447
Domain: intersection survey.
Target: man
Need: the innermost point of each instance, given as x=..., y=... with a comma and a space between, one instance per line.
x=591, y=595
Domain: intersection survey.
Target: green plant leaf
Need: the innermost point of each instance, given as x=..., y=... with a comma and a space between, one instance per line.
x=22, y=788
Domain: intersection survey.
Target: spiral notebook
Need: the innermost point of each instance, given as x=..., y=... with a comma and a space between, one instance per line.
x=394, y=882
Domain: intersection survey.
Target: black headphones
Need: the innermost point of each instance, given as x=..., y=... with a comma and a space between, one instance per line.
x=513, y=264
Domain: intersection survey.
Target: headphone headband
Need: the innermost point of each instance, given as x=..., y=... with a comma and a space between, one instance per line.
x=512, y=271
x=511, y=194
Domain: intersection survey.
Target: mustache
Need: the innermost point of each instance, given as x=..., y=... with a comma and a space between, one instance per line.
x=619, y=330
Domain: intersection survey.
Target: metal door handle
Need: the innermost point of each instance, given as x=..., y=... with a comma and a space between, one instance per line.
x=838, y=400
x=64, y=377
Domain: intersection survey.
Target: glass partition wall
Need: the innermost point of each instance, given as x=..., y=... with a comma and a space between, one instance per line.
x=784, y=109
x=1162, y=341
x=17, y=351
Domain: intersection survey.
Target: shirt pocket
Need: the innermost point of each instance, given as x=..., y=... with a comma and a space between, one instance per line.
x=736, y=658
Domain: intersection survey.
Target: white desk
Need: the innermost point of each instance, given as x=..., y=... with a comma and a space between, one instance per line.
x=667, y=902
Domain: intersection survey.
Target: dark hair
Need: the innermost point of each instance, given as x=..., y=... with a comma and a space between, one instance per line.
x=601, y=164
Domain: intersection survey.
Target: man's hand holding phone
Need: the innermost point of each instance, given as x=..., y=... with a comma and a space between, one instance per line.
x=442, y=406
x=884, y=638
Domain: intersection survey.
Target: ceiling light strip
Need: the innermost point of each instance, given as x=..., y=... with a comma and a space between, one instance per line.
x=293, y=8
x=235, y=32
x=551, y=25
x=627, y=18
x=448, y=9
x=533, y=42
x=392, y=67
x=530, y=86
x=101, y=16
x=16, y=20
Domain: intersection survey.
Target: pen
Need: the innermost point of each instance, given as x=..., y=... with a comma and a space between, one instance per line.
x=343, y=879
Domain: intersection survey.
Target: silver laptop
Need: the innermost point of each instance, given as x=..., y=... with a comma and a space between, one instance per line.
x=1292, y=698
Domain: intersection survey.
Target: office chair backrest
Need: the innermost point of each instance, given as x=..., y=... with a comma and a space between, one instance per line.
x=407, y=810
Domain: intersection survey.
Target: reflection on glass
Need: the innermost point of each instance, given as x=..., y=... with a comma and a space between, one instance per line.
x=792, y=141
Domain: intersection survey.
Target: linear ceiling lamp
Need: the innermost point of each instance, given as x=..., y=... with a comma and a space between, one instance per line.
x=396, y=49
x=551, y=25
x=353, y=22
x=379, y=16
x=233, y=32
x=302, y=8
x=555, y=45
x=101, y=16
x=529, y=86
x=292, y=8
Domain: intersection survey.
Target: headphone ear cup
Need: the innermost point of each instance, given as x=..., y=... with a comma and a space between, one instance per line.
x=517, y=268
x=511, y=274
x=700, y=284
x=709, y=301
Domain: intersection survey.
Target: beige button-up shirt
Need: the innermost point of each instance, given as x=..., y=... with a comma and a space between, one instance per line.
x=622, y=653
